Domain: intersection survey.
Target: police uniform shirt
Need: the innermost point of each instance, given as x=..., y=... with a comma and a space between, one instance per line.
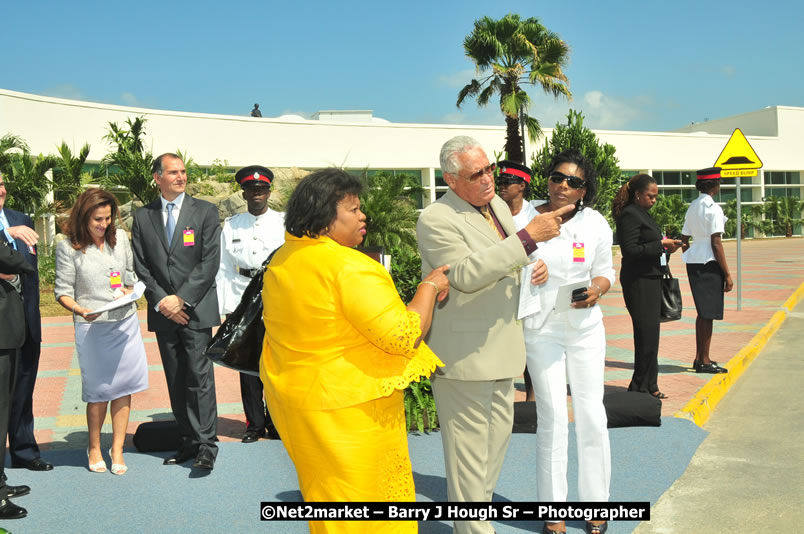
x=246, y=241
x=704, y=218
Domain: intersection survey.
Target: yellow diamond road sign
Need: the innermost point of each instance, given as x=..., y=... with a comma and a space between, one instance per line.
x=738, y=154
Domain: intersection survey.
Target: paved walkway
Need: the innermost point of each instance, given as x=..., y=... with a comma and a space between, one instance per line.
x=743, y=476
x=771, y=273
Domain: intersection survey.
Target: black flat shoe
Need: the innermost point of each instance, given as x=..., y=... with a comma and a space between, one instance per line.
x=711, y=368
x=252, y=435
x=37, y=464
x=659, y=395
x=179, y=458
x=9, y=510
x=17, y=491
x=597, y=529
x=561, y=528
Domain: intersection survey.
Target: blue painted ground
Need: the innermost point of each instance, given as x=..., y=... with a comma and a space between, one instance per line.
x=173, y=499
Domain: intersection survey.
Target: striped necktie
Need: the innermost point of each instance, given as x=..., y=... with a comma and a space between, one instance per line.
x=486, y=212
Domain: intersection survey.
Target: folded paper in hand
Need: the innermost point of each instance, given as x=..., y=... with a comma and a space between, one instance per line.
x=529, y=300
x=139, y=290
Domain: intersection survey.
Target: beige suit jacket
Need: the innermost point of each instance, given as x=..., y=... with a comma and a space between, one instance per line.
x=474, y=331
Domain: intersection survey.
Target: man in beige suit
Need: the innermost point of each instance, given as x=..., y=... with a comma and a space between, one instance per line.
x=474, y=331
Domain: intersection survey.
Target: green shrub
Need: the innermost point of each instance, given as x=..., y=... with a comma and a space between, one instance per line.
x=47, y=266
x=420, y=409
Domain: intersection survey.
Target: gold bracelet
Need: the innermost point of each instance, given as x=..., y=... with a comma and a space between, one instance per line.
x=430, y=282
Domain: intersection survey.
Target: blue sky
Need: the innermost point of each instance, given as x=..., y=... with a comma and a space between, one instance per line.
x=634, y=65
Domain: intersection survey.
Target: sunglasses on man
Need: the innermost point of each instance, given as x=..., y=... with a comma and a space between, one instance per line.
x=575, y=182
x=489, y=169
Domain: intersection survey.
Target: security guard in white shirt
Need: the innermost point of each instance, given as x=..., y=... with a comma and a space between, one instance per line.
x=246, y=241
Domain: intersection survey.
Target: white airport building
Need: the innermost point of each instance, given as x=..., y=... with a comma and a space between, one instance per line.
x=357, y=140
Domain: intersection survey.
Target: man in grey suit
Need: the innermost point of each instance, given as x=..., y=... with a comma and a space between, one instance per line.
x=475, y=331
x=176, y=243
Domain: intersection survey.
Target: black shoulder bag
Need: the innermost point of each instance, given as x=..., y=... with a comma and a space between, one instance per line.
x=671, y=298
x=238, y=342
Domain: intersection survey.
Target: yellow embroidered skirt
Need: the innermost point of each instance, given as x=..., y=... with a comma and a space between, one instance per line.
x=359, y=453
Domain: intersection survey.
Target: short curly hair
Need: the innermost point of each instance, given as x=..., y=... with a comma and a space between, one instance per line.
x=314, y=203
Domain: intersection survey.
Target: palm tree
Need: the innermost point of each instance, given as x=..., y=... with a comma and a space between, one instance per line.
x=749, y=214
x=27, y=182
x=510, y=52
x=129, y=165
x=391, y=213
x=782, y=214
x=69, y=176
x=9, y=146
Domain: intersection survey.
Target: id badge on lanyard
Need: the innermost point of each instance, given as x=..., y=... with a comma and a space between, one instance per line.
x=578, y=255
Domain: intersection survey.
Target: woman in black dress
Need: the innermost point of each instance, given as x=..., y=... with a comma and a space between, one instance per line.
x=643, y=246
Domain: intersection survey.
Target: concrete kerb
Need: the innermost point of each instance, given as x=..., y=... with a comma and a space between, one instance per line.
x=700, y=407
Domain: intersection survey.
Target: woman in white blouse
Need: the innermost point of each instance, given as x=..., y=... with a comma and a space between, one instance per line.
x=566, y=340
x=707, y=269
x=95, y=266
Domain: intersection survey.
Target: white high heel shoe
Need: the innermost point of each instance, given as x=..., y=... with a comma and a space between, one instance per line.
x=98, y=467
x=118, y=469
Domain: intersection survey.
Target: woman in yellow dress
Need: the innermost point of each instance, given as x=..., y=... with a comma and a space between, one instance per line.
x=340, y=347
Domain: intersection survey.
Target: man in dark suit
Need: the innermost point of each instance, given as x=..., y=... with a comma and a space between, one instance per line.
x=22, y=444
x=12, y=337
x=176, y=242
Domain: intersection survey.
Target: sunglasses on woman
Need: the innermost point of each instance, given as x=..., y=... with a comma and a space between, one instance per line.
x=575, y=182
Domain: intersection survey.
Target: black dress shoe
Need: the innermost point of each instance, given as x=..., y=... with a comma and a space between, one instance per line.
x=252, y=435
x=9, y=510
x=711, y=368
x=37, y=464
x=179, y=458
x=205, y=460
x=17, y=491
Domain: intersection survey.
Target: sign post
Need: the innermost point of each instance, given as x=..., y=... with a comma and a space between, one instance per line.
x=738, y=159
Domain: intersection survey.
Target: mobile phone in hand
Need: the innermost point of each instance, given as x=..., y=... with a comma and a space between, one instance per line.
x=579, y=294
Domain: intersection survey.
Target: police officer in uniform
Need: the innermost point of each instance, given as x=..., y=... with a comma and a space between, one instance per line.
x=246, y=241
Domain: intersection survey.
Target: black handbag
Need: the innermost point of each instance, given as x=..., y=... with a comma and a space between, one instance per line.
x=671, y=298
x=238, y=342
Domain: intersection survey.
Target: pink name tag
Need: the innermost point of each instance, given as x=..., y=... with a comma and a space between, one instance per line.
x=115, y=280
x=189, y=238
x=577, y=253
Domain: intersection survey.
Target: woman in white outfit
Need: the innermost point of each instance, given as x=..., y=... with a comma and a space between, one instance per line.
x=571, y=344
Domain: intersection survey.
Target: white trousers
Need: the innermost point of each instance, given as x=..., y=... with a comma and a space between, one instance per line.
x=557, y=352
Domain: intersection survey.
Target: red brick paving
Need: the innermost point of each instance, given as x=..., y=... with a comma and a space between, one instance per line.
x=771, y=272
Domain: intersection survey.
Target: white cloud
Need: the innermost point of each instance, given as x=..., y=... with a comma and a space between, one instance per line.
x=130, y=100
x=600, y=111
x=65, y=90
x=612, y=113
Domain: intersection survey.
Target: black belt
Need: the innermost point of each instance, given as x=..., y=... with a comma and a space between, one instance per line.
x=249, y=273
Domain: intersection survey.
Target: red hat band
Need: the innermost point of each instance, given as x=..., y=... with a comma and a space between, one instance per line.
x=516, y=172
